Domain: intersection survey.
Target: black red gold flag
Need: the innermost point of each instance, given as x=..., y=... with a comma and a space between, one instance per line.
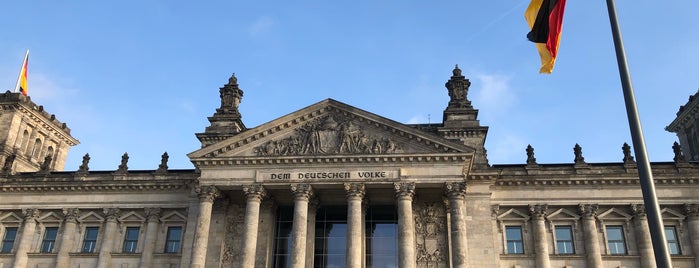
x=545, y=19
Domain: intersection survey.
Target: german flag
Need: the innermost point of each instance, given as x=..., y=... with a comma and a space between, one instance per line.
x=22, y=79
x=545, y=19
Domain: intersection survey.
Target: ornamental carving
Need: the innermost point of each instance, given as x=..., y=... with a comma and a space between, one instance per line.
x=254, y=191
x=538, y=211
x=71, y=214
x=112, y=214
x=355, y=190
x=302, y=191
x=588, y=210
x=430, y=235
x=207, y=193
x=30, y=214
x=455, y=189
x=329, y=135
x=691, y=210
x=404, y=189
x=638, y=210
x=235, y=222
x=152, y=214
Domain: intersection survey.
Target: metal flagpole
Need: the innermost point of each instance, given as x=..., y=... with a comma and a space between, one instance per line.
x=655, y=222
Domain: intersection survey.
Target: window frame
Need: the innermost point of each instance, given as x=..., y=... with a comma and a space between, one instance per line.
x=168, y=240
x=508, y=240
x=132, y=244
x=623, y=240
x=557, y=240
x=676, y=241
x=85, y=239
x=4, y=239
x=48, y=245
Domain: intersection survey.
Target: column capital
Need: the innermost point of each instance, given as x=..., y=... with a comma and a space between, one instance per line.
x=302, y=191
x=588, y=210
x=207, y=193
x=538, y=211
x=691, y=210
x=71, y=214
x=455, y=189
x=254, y=191
x=355, y=190
x=638, y=210
x=404, y=189
x=111, y=214
x=152, y=214
x=30, y=214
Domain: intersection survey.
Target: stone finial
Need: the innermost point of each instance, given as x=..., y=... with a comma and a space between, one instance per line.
x=9, y=162
x=231, y=95
x=531, y=160
x=628, y=159
x=679, y=157
x=163, y=163
x=458, y=90
x=123, y=167
x=577, y=150
x=85, y=166
x=45, y=166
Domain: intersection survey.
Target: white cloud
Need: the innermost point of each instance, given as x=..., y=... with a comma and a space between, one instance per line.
x=507, y=149
x=494, y=93
x=261, y=26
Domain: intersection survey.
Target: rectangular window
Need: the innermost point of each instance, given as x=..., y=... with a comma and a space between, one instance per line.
x=564, y=239
x=130, y=239
x=381, y=237
x=282, y=237
x=331, y=237
x=172, y=242
x=615, y=240
x=515, y=244
x=673, y=245
x=49, y=241
x=8, y=241
x=90, y=239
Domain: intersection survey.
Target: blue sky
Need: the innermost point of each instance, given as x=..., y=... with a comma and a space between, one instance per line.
x=142, y=76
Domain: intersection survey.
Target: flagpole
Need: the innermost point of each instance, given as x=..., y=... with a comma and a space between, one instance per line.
x=19, y=77
x=655, y=222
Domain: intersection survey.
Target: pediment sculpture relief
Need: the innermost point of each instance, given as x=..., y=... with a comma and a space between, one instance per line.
x=329, y=135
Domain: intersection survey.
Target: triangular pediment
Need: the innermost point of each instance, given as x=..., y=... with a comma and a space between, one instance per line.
x=173, y=216
x=513, y=215
x=614, y=214
x=132, y=217
x=10, y=217
x=50, y=217
x=563, y=214
x=330, y=128
x=91, y=217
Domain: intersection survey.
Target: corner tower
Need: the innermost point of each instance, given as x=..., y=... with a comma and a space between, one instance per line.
x=460, y=120
x=686, y=126
x=226, y=121
x=31, y=137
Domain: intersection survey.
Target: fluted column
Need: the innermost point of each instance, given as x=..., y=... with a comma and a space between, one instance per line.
x=541, y=245
x=405, y=191
x=355, y=194
x=25, y=241
x=692, y=213
x=302, y=193
x=207, y=195
x=152, y=220
x=645, y=244
x=110, y=232
x=456, y=192
x=67, y=237
x=311, y=231
x=254, y=195
x=593, y=254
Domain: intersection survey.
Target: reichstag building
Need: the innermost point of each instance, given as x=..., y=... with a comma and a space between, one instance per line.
x=334, y=186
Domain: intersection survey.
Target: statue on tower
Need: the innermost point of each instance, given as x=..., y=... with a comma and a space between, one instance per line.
x=458, y=90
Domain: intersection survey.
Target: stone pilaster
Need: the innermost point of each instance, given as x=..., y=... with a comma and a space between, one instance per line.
x=311, y=232
x=29, y=227
x=110, y=232
x=645, y=244
x=456, y=193
x=67, y=237
x=593, y=253
x=254, y=195
x=692, y=213
x=302, y=194
x=207, y=195
x=152, y=221
x=355, y=194
x=405, y=191
x=541, y=245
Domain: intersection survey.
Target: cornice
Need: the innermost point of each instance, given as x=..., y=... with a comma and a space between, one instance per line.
x=372, y=159
x=519, y=182
x=685, y=115
x=52, y=125
x=111, y=186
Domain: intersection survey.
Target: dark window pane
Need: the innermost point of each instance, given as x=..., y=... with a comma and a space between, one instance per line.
x=49, y=241
x=8, y=240
x=130, y=239
x=615, y=240
x=174, y=236
x=564, y=240
x=673, y=245
x=513, y=236
x=90, y=239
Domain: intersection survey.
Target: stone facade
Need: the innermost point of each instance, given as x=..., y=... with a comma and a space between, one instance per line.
x=331, y=185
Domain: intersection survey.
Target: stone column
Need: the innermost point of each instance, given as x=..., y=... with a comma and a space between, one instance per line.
x=456, y=192
x=302, y=193
x=355, y=194
x=254, y=194
x=593, y=253
x=25, y=241
x=152, y=221
x=692, y=213
x=405, y=191
x=207, y=195
x=311, y=232
x=110, y=232
x=541, y=245
x=645, y=244
x=67, y=237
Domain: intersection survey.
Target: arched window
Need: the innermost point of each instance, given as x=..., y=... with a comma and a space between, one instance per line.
x=36, y=148
x=49, y=151
x=22, y=140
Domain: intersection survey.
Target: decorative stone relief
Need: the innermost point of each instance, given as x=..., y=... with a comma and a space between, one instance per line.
x=430, y=235
x=235, y=222
x=329, y=134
